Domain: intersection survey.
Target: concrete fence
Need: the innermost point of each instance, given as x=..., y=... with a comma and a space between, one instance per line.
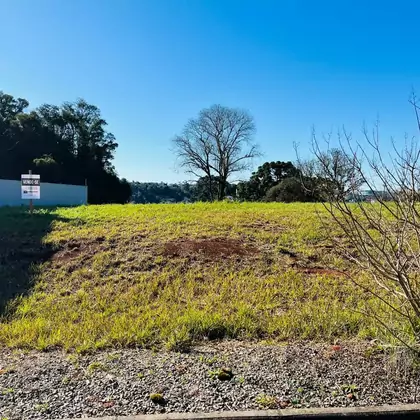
x=51, y=194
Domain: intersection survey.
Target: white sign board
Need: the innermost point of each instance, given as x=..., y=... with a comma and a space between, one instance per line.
x=30, y=187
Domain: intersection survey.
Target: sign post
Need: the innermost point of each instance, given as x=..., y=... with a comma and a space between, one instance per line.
x=31, y=203
x=30, y=188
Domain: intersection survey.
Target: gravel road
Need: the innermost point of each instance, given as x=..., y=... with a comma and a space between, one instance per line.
x=216, y=376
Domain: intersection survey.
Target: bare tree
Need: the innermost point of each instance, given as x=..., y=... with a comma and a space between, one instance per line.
x=383, y=234
x=216, y=144
x=333, y=172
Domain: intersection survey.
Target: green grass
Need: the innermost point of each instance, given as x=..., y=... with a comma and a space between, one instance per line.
x=101, y=276
x=267, y=401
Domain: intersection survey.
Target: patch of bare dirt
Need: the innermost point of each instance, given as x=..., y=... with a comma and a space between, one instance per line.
x=72, y=250
x=266, y=226
x=212, y=248
x=307, y=264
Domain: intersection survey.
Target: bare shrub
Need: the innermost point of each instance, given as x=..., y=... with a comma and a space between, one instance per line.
x=381, y=229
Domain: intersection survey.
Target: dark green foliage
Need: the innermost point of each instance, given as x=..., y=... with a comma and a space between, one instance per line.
x=267, y=176
x=64, y=144
x=47, y=167
x=159, y=192
x=287, y=191
x=300, y=189
x=281, y=181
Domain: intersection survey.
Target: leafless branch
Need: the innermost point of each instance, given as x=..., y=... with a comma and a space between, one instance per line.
x=384, y=230
x=217, y=144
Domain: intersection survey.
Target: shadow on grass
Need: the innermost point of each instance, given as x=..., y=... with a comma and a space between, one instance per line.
x=21, y=248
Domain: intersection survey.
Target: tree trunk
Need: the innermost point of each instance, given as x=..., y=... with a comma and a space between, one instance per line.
x=210, y=188
x=221, y=189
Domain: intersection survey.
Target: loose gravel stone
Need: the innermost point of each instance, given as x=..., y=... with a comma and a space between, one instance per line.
x=55, y=385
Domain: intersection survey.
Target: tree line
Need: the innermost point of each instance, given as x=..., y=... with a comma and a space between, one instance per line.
x=308, y=181
x=160, y=192
x=70, y=144
x=64, y=144
x=219, y=143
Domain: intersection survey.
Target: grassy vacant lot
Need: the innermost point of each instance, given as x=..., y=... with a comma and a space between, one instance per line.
x=145, y=275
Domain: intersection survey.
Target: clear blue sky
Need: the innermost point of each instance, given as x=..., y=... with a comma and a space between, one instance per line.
x=150, y=65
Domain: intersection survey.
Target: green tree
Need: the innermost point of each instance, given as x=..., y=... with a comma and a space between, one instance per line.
x=47, y=167
x=265, y=177
x=287, y=191
x=65, y=144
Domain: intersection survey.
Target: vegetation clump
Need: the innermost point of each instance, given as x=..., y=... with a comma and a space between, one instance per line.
x=157, y=398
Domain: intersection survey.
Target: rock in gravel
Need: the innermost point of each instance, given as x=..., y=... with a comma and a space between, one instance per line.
x=225, y=374
x=55, y=385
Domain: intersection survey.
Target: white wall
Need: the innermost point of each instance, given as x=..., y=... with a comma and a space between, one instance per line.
x=51, y=194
